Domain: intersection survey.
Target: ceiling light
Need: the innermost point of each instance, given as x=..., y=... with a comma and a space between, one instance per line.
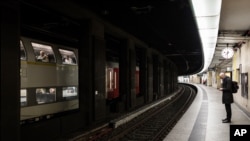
x=207, y=15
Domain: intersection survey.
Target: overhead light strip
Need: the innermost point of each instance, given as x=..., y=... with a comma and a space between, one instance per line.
x=207, y=14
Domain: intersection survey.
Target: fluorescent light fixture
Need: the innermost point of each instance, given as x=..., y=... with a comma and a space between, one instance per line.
x=207, y=14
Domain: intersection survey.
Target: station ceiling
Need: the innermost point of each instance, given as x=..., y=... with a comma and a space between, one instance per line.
x=165, y=25
x=234, y=30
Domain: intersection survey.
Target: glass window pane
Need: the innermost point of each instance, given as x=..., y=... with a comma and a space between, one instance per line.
x=22, y=51
x=69, y=93
x=23, y=97
x=68, y=57
x=45, y=95
x=43, y=53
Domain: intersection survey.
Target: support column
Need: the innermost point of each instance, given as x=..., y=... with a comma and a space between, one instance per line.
x=132, y=67
x=99, y=60
x=150, y=75
x=99, y=64
x=10, y=70
x=143, y=79
x=156, y=77
x=85, y=74
x=209, y=78
x=124, y=75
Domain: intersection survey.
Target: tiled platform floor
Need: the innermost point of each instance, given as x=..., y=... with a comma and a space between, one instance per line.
x=202, y=121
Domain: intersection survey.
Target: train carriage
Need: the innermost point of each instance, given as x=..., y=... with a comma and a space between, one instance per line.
x=112, y=80
x=49, y=79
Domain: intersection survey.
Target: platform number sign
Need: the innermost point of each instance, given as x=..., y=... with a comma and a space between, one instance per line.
x=239, y=132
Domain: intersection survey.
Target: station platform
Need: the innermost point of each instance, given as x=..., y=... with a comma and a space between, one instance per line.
x=203, y=120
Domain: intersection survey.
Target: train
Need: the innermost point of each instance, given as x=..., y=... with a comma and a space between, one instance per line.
x=48, y=78
x=112, y=80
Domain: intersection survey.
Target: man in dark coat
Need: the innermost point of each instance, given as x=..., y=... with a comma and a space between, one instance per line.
x=227, y=96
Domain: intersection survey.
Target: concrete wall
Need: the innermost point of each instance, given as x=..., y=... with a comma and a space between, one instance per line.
x=195, y=79
x=241, y=65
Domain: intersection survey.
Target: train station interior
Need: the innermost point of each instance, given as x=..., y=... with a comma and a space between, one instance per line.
x=74, y=70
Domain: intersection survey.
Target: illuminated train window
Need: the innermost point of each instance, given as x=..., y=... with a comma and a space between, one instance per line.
x=68, y=57
x=43, y=53
x=45, y=95
x=22, y=51
x=23, y=97
x=69, y=93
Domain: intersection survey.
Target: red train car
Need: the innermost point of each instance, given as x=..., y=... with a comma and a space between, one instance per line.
x=112, y=80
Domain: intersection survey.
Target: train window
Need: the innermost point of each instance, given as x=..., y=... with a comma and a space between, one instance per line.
x=23, y=97
x=22, y=51
x=45, y=95
x=68, y=57
x=43, y=53
x=69, y=93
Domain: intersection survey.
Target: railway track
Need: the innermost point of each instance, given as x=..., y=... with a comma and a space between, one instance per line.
x=152, y=125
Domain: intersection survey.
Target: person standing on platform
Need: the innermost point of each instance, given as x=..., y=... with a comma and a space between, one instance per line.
x=227, y=96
